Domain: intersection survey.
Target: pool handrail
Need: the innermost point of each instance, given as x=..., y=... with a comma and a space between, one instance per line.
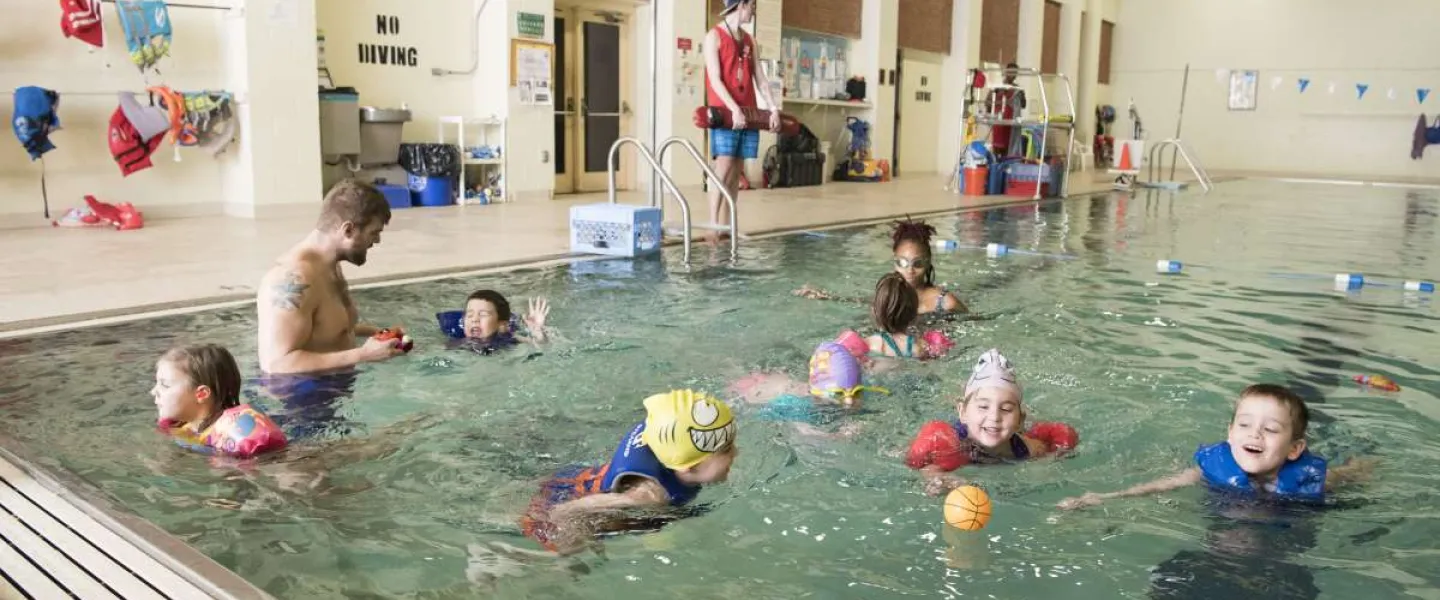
x=714, y=180
x=1201, y=175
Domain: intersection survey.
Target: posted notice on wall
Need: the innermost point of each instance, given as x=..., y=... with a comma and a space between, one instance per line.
x=535, y=92
x=532, y=72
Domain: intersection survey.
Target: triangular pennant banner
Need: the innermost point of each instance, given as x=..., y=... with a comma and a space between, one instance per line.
x=1330, y=89
x=1422, y=94
x=1360, y=89
x=1390, y=93
x=1275, y=82
x=1304, y=83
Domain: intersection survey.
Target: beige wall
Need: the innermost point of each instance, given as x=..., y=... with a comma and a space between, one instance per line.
x=443, y=31
x=531, y=128
x=437, y=29
x=1386, y=44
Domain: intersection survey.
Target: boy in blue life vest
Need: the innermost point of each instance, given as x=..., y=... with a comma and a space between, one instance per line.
x=1263, y=457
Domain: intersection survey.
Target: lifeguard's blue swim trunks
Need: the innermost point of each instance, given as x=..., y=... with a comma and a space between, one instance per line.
x=734, y=143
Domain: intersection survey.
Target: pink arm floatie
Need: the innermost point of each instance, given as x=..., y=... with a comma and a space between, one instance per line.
x=937, y=343
x=243, y=432
x=858, y=347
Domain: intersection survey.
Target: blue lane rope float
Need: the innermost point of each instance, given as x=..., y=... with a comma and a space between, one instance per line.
x=1166, y=266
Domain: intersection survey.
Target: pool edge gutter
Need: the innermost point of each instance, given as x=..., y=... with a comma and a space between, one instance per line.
x=171, y=552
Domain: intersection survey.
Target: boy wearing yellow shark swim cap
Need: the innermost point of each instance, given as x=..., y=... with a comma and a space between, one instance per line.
x=686, y=440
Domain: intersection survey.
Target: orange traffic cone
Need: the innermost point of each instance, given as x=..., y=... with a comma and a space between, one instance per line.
x=1125, y=157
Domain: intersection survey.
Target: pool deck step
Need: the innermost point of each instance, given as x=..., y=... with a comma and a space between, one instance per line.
x=51, y=548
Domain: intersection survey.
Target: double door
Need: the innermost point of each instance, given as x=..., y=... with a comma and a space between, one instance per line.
x=592, y=100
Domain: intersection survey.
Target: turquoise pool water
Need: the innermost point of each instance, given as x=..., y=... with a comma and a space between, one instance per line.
x=443, y=449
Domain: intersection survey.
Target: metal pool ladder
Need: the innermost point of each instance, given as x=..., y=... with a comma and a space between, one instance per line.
x=656, y=159
x=1201, y=175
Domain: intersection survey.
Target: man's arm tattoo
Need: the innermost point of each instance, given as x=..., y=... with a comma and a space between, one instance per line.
x=286, y=294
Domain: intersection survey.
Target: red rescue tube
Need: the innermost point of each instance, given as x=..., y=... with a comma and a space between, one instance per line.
x=1057, y=437
x=937, y=444
x=711, y=117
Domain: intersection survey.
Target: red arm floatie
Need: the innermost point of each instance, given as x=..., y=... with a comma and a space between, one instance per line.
x=1058, y=437
x=937, y=444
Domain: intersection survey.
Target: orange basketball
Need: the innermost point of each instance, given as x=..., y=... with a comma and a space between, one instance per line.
x=967, y=508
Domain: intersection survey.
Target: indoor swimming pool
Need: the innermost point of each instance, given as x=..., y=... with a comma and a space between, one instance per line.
x=414, y=488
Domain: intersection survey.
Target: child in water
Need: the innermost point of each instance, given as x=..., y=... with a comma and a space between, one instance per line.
x=988, y=430
x=914, y=261
x=894, y=310
x=686, y=441
x=1264, y=456
x=197, y=396
x=488, y=324
x=835, y=389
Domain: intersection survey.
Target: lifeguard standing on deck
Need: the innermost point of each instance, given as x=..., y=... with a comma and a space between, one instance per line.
x=732, y=82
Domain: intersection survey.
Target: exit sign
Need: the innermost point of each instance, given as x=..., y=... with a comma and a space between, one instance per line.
x=530, y=25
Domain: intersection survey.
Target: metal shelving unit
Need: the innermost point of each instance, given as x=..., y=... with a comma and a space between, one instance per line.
x=1049, y=119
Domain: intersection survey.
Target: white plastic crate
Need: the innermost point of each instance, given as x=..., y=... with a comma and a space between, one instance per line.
x=615, y=229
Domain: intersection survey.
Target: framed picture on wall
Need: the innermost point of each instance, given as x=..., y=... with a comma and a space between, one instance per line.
x=1243, y=88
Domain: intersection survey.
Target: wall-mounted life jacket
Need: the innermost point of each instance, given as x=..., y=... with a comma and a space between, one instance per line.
x=35, y=117
x=147, y=30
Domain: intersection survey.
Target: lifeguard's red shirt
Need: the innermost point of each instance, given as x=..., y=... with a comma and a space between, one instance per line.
x=737, y=68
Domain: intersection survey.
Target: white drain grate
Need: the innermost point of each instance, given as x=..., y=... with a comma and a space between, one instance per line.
x=51, y=549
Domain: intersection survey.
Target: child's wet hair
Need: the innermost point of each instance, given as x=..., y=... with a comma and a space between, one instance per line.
x=919, y=233
x=209, y=365
x=502, y=306
x=896, y=304
x=1299, y=413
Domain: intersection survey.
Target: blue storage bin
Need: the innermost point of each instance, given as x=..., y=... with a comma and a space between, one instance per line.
x=996, y=185
x=432, y=191
x=397, y=195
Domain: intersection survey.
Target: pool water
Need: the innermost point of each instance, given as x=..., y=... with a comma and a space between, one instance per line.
x=436, y=453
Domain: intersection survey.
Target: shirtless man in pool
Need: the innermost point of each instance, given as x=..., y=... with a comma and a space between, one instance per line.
x=308, y=322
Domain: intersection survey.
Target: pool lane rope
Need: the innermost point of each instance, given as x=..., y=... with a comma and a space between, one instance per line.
x=997, y=250
x=1165, y=266
x=1343, y=281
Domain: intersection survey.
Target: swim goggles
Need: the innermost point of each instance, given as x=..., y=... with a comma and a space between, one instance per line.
x=905, y=263
x=838, y=393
